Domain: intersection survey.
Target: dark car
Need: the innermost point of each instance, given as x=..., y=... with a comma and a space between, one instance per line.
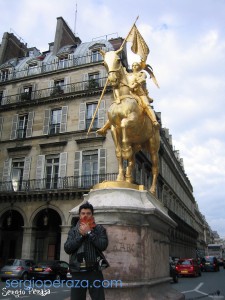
x=210, y=263
x=51, y=269
x=188, y=266
x=16, y=269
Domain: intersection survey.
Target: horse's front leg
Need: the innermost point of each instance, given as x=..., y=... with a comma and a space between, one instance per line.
x=154, y=144
x=116, y=138
x=127, y=150
x=129, y=169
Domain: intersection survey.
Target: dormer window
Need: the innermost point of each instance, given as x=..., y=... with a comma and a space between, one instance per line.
x=63, y=61
x=95, y=56
x=4, y=75
x=32, y=69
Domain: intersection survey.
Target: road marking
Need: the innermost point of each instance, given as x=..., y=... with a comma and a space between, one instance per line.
x=196, y=290
x=198, y=286
x=200, y=292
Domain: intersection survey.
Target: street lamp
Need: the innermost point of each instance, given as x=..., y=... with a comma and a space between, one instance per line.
x=9, y=218
x=45, y=219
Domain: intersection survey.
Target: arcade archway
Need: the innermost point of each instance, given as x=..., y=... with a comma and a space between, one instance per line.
x=11, y=237
x=47, y=235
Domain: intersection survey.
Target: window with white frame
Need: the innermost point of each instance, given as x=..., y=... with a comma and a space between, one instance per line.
x=58, y=87
x=89, y=168
x=55, y=120
x=86, y=113
x=93, y=80
x=22, y=126
x=91, y=107
x=52, y=171
x=27, y=93
x=17, y=174
x=49, y=170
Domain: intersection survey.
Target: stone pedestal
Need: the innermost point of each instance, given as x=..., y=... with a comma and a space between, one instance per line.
x=137, y=225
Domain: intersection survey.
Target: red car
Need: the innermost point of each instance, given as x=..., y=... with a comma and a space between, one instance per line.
x=188, y=266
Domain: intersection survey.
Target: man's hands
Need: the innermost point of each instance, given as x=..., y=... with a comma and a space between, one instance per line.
x=87, y=223
x=84, y=229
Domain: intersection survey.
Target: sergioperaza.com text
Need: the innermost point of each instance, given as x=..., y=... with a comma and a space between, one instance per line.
x=46, y=284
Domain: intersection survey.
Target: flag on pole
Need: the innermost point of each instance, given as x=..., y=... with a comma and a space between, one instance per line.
x=139, y=45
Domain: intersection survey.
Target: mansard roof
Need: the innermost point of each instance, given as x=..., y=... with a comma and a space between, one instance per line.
x=48, y=57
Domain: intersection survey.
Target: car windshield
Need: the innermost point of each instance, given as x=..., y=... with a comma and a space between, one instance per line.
x=209, y=258
x=14, y=262
x=184, y=262
x=46, y=263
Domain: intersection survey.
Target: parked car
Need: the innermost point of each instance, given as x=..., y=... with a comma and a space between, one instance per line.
x=16, y=269
x=51, y=269
x=210, y=263
x=187, y=267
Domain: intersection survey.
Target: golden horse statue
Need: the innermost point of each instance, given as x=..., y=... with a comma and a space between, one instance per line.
x=131, y=128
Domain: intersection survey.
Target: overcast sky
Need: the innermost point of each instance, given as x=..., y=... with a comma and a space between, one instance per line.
x=187, y=52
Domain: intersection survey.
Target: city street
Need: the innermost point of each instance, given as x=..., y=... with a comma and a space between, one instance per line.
x=204, y=287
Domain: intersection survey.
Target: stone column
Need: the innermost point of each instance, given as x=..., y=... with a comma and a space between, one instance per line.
x=64, y=233
x=28, y=243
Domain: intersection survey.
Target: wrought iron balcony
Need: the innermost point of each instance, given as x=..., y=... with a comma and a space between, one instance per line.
x=84, y=182
x=54, y=92
x=43, y=67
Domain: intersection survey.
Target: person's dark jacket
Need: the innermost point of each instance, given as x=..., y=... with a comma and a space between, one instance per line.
x=89, y=244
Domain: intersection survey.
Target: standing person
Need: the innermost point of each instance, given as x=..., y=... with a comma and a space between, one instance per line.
x=85, y=244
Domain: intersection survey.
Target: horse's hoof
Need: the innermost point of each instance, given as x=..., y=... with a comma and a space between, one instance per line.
x=120, y=178
x=152, y=191
x=129, y=179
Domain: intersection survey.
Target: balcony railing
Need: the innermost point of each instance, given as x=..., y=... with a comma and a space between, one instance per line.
x=53, y=92
x=65, y=183
x=46, y=67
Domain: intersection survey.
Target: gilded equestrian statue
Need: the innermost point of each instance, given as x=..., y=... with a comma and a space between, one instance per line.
x=131, y=128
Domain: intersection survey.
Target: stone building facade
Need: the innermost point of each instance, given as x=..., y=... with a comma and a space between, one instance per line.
x=47, y=160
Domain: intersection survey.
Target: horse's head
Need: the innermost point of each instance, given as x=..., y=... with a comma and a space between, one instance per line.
x=113, y=66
